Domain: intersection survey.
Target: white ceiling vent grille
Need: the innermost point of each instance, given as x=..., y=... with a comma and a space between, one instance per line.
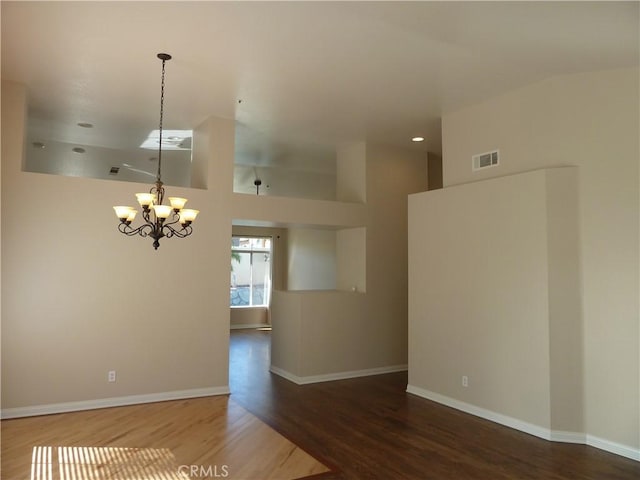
x=485, y=160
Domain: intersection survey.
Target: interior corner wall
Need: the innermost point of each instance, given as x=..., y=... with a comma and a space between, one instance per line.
x=16, y=98
x=434, y=168
x=199, y=155
x=80, y=299
x=478, y=303
x=392, y=174
x=311, y=259
x=351, y=178
x=333, y=334
x=566, y=333
x=588, y=120
x=351, y=259
x=286, y=340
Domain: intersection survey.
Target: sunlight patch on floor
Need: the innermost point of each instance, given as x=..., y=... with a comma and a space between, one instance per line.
x=104, y=463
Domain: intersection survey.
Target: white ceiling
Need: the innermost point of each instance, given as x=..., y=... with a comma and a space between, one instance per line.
x=298, y=76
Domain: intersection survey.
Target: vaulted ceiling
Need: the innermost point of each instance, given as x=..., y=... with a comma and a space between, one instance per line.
x=300, y=78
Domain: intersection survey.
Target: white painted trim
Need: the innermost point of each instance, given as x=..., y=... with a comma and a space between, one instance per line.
x=505, y=420
x=613, y=447
x=249, y=325
x=541, y=432
x=111, y=402
x=330, y=377
x=568, y=437
x=286, y=375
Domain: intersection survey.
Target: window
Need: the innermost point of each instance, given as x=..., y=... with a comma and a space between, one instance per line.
x=250, y=271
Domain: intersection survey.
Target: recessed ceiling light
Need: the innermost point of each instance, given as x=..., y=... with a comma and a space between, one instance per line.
x=78, y=150
x=417, y=139
x=38, y=144
x=85, y=125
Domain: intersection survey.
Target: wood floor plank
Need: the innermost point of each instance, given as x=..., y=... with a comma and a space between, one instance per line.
x=370, y=428
x=165, y=440
x=364, y=428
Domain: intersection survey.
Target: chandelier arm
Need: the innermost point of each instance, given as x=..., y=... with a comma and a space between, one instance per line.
x=154, y=226
x=151, y=227
x=146, y=216
x=174, y=219
x=182, y=233
x=143, y=230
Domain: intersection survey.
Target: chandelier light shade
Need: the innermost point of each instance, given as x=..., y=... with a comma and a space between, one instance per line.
x=159, y=220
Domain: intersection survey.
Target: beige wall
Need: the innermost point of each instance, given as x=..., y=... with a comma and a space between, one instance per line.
x=434, y=167
x=298, y=212
x=566, y=351
x=249, y=317
x=589, y=120
x=311, y=257
x=351, y=243
x=79, y=298
x=477, y=296
x=342, y=332
x=351, y=258
x=286, y=337
x=480, y=298
x=391, y=176
x=318, y=334
x=351, y=179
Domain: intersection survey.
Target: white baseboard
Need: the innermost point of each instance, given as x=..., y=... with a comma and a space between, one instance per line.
x=536, y=430
x=286, y=375
x=330, y=377
x=505, y=420
x=613, y=447
x=249, y=325
x=567, y=437
x=111, y=402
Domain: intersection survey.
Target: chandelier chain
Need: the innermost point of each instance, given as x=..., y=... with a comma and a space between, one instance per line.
x=160, y=220
x=158, y=177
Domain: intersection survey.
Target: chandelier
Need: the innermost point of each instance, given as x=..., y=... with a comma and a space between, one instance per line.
x=160, y=220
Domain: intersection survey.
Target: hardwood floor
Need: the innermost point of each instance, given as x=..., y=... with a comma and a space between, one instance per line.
x=364, y=428
x=369, y=428
x=210, y=437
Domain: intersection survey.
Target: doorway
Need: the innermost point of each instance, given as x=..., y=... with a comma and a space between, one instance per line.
x=250, y=281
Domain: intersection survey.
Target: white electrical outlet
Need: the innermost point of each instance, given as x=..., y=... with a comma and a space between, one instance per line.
x=111, y=376
x=465, y=381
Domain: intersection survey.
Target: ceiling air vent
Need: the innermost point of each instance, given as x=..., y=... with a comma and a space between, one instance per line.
x=114, y=170
x=485, y=160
